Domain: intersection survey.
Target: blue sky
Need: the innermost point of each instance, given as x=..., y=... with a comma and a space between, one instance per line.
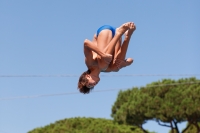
x=46, y=38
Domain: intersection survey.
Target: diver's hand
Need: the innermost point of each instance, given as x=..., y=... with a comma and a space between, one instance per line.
x=119, y=63
x=107, y=58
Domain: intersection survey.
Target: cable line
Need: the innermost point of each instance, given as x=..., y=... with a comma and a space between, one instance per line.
x=72, y=93
x=102, y=75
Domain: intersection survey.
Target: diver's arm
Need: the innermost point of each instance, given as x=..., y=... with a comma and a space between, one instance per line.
x=90, y=46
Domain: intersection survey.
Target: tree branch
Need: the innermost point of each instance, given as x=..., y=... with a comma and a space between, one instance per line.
x=172, y=128
x=163, y=124
x=176, y=127
x=186, y=128
x=197, y=127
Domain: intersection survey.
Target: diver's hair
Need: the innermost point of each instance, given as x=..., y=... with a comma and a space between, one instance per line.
x=83, y=81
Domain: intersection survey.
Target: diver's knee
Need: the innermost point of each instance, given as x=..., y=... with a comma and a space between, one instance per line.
x=86, y=42
x=129, y=61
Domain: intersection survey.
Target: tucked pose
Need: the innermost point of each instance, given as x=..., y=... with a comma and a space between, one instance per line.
x=105, y=53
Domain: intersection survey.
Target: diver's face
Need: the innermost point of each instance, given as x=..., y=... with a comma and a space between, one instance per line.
x=92, y=81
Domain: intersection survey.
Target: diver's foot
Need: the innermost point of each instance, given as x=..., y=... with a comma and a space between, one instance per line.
x=132, y=28
x=123, y=28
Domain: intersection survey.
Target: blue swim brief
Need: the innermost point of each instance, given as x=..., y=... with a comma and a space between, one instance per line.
x=106, y=27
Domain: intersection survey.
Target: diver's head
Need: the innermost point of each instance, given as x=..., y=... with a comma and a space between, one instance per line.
x=87, y=82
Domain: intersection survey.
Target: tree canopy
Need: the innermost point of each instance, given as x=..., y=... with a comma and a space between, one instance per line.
x=86, y=125
x=168, y=102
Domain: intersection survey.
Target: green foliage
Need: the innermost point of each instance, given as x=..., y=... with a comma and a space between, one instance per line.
x=192, y=129
x=86, y=125
x=169, y=102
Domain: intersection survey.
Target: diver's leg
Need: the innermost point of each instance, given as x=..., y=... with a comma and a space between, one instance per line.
x=106, y=41
x=117, y=48
x=121, y=55
x=103, y=39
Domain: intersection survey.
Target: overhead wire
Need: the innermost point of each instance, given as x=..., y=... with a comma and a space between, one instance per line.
x=72, y=93
x=103, y=75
